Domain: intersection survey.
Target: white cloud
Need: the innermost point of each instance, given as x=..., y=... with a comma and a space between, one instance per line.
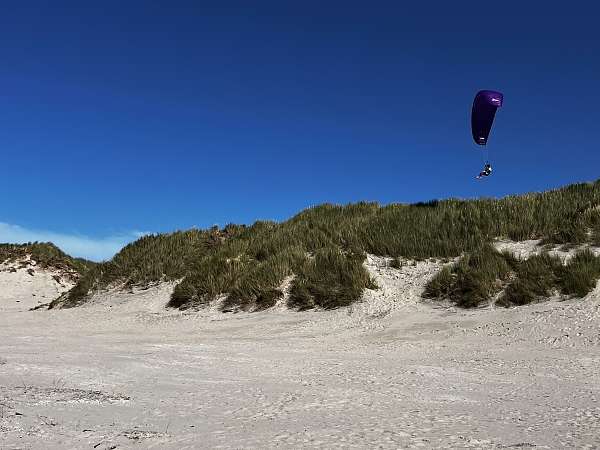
x=96, y=249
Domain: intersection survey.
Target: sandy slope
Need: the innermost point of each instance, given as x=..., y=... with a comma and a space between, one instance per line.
x=525, y=249
x=390, y=372
x=23, y=285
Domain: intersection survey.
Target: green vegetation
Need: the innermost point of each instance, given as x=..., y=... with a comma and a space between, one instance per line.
x=329, y=280
x=149, y=259
x=579, y=277
x=396, y=263
x=323, y=248
x=47, y=256
x=250, y=278
x=536, y=277
x=474, y=279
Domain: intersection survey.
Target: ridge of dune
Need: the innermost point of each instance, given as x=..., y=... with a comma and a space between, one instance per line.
x=397, y=288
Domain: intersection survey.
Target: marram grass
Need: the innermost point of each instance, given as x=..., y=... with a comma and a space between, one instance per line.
x=323, y=248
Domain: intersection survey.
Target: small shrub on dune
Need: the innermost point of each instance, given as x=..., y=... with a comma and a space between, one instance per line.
x=589, y=223
x=535, y=278
x=249, y=283
x=571, y=234
x=301, y=296
x=471, y=289
x=183, y=294
x=474, y=279
x=580, y=275
x=258, y=286
x=268, y=298
x=538, y=276
x=209, y=277
x=396, y=263
x=440, y=286
x=330, y=280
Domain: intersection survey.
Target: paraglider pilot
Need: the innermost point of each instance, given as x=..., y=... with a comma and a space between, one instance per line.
x=486, y=172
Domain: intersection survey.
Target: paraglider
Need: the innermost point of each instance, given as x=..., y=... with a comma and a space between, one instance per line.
x=486, y=172
x=482, y=117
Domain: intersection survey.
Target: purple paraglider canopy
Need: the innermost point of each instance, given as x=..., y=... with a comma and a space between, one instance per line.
x=482, y=116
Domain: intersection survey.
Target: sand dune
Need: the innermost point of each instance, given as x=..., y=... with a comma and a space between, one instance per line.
x=24, y=285
x=390, y=372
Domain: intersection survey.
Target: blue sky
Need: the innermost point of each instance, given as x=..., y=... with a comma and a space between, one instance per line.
x=131, y=117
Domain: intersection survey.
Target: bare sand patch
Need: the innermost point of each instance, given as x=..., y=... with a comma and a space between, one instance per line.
x=388, y=372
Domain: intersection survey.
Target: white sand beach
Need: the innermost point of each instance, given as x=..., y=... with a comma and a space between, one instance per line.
x=390, y=372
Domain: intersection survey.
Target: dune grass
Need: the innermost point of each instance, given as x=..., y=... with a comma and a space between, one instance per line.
x=535, y=278
x=579, y=277
x=47, y=256
x=149, y=259
x=324, y=246
x=477, y=277
x=329, y=280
